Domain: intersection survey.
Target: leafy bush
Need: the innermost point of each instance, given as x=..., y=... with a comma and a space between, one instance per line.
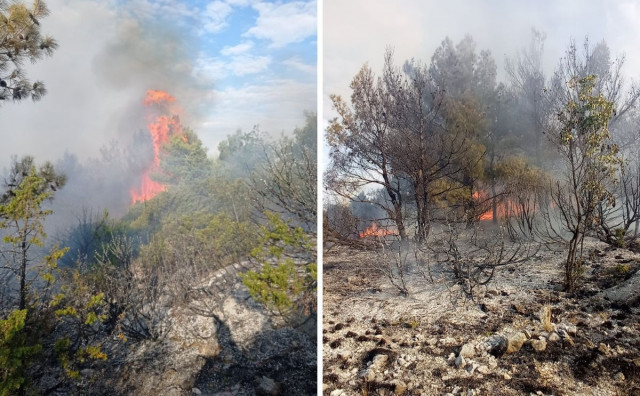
x=287, y=283
x=15, y=352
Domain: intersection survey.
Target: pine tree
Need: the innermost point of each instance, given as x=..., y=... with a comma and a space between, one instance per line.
x=20, y=41
x=22, y=215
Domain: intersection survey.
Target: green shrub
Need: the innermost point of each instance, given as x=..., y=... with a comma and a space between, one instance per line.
x=623, y=269
x=286, y=286
x=620, y=234
x=15, y=352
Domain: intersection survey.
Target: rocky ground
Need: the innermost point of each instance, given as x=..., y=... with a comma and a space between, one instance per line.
x=223, y=343
x=522, y=335
x=236, y=349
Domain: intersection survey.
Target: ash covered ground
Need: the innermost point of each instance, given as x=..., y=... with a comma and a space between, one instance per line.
x=435, y=341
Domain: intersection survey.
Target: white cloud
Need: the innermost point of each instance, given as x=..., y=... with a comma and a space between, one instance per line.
x=276, y=106
x=210, y=67
x=248, y=64
x=241, y=3
x=286, y=23
x=215, y=16
x=237, y=49
x=217, y=68
x=297, y=64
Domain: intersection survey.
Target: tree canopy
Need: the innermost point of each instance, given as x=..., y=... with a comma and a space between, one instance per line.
x=22, y=41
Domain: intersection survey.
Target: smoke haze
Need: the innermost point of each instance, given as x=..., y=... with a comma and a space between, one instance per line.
x=93, y=123
x=356, y=32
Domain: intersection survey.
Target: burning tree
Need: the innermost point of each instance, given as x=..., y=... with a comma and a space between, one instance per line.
x=360, y=143
x=162, y=128
x=20, y=40
x=525, y=193
x=407, y=134
x=435, y=147
x=583, y=140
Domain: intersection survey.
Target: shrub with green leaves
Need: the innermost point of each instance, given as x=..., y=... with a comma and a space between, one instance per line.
x=79, y=311
x=286, y=286
x=15, y=352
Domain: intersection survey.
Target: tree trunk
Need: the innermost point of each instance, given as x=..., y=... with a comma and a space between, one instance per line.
x=494, y=207
x=494, y=199
x=423, y=223
x=23, y=275
x=571, y=265
x=422, y=204
x=399, y=222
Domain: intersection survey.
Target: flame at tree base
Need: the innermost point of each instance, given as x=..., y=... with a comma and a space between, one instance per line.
x=148, y=189
x=374, y=231
x=504, y=207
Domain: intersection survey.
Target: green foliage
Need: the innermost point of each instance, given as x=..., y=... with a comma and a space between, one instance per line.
x=241, y=154
x=94, y=352
x=22, y=215
x=584, y=141
x=287, y=181
x=79, y=307
x=26, y=190
x=20, y=41
x=69, y=360
x=220, y=238
x=61, y=348
x=516, y=170
x=183, y=160
x=15, y=352
x=446, y=193
x=623, y=269
x=279, y=238
x=227, y=238
x=410, y=323
x=620, y=235
x=79, y=302
x=89, y=235
x=307, y=136
x=287, y=283
x=240, y=144
x=523, y=182
x=201, y=197
x=585, y=132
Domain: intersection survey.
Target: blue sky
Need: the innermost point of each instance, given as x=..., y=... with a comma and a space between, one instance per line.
x=231, y=64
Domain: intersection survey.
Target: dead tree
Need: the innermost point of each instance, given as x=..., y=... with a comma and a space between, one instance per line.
x=394, y=262
x=614, y=223
x=133, y=292
x=473, y=262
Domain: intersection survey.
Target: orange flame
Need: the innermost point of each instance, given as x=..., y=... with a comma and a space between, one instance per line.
x=161, y=128
x=155, y=96
x=504, y=207
x=374, y=231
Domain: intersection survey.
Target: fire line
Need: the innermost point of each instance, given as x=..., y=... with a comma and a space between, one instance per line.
x=161, y=128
